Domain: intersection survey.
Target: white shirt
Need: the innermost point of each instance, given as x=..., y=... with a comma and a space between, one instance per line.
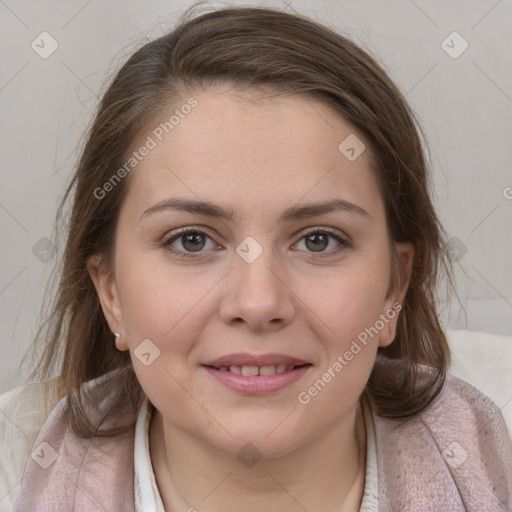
x=147, y=496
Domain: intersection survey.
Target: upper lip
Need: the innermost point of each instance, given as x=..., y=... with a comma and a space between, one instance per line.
x=244, y=359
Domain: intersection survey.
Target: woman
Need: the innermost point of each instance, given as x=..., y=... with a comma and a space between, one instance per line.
x=246, y=315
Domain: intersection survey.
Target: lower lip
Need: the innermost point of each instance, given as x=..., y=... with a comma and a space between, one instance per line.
x=258, y=384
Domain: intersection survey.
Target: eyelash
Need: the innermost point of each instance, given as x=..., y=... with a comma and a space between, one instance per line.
x=314, y=231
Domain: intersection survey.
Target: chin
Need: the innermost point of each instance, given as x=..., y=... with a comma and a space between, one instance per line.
x=269, y=439
x=249, y=450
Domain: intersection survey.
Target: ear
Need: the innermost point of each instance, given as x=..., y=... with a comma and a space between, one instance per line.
x=399, y=284
x=104, y=281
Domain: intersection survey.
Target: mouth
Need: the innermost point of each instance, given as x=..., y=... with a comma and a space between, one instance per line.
x=253, y=371
x=257, y=375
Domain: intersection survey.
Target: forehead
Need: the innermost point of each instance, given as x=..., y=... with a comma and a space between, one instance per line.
x=248, y=149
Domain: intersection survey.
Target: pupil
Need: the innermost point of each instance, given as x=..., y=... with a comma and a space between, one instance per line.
x=316, y=245
x=194, y=238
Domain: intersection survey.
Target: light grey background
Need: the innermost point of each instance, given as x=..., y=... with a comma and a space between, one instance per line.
x=464, y=104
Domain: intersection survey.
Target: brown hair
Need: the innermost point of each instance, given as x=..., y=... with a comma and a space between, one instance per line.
x=249, y=48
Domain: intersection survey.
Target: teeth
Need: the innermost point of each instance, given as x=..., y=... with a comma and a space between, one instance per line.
x=257, y=370
x=267, y=370
x=249, y=370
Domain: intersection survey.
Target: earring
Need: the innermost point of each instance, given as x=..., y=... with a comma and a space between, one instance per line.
x=116, y=334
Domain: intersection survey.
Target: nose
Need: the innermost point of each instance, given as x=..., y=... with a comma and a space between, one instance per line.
x=258, y=295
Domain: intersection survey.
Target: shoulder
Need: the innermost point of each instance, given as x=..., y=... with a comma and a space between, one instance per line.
x=459, y=446
x=460, y=411
x=464, y=407
x=484, y=360
x=464, y=418
x=473, y=441
x=23, y=410
x=26, y=407
x=84, y=459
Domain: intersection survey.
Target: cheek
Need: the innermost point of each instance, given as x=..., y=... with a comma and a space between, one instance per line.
x=349, y=309
x=162, y=312
x=156, y=300
x=348, y=301
x=349, y=305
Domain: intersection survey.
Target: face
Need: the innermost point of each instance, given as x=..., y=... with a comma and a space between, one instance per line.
x=215, y=309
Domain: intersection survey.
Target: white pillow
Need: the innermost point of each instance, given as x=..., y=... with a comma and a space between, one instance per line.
x=485, y=361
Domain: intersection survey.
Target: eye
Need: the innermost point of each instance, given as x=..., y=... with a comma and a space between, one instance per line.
x=189, y=240
x=317, y=240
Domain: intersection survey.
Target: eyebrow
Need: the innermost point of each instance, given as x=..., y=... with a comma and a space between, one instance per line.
x=292, y=213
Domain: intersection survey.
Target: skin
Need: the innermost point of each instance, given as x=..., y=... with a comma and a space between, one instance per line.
x=258, y=158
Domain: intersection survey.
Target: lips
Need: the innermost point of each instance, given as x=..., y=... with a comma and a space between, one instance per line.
x=256, y=365
x=258, y=384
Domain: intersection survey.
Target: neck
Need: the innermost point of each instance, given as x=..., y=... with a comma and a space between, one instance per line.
x=327, y=474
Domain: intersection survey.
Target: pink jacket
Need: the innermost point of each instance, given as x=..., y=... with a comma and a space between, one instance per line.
x=455, y=456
